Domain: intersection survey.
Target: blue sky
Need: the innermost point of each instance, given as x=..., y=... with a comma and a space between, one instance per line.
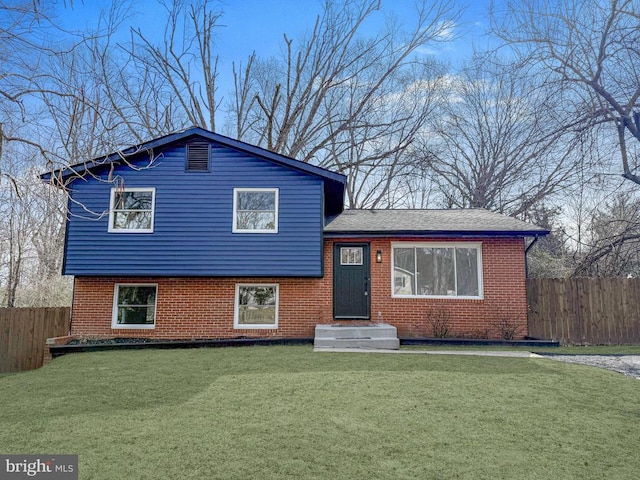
x=259, y=25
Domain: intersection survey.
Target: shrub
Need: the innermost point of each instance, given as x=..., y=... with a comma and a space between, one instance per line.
x=438, y=319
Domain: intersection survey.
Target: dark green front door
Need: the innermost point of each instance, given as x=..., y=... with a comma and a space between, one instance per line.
x=351, y=280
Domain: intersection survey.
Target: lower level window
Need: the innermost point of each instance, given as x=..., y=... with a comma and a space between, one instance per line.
x=134, y=306
x=256, y=306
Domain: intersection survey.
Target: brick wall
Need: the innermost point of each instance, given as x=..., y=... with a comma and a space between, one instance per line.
x=204, y=307
x=504, y=295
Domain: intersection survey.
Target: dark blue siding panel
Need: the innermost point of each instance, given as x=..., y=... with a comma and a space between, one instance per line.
x=193, y=219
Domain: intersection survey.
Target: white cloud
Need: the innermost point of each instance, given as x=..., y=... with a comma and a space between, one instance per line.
x=445, y=31
x=427, y=51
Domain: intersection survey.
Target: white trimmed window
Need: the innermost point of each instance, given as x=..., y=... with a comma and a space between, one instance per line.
x=131, y=210
x=256, y=306
x=437, y=270
x=134, y=305
x=255, y=210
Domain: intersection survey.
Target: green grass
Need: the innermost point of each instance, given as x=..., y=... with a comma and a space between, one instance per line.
x=286, y=412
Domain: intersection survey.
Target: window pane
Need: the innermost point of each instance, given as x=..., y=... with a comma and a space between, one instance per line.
x=256, y=315
x=256, y=220
x=133, y=295
x=403, y=271
x=136, y=315
x=435, y=271
x=256, y=201
x=467, y=271
x=351, y=256
x=133, y=200
x=257, y=296
x=132, y=220
x=136, y=305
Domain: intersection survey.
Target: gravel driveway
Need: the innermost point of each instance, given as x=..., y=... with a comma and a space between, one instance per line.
x=625, y=364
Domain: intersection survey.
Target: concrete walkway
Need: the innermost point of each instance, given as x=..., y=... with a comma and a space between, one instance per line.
x=626, y=364
x=477, y=353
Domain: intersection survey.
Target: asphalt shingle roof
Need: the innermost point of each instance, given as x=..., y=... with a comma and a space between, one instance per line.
x=462, y=221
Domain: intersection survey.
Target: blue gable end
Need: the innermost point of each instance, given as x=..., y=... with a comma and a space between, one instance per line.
x=192, y=234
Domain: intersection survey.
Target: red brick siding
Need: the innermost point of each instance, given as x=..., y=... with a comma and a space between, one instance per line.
x=204, y=307
x=504, y=294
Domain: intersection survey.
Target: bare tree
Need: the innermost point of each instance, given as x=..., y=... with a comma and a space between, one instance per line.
x=344, y=101
x=495, y=144
x=377, y=153
x=336, y=95
x=31, y=236
x=110, y=95
x=181, y=70
x=611, y=245
x=586, y=51
x=32, y=229
x=550, y=256
x=15, y=236
x=17, y=41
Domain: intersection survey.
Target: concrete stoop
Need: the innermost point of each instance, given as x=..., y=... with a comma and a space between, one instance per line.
x=375, y=336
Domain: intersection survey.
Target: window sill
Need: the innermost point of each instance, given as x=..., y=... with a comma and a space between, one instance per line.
x=255, y=327
x=438, y=297
x=133, y=327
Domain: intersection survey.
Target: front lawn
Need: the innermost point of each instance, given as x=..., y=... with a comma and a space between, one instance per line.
x=286, y=412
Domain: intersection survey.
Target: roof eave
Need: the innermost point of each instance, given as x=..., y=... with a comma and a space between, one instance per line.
x=435, y=233
x=80, y=168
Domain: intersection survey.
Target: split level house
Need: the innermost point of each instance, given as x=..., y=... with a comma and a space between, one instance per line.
x=198, y=236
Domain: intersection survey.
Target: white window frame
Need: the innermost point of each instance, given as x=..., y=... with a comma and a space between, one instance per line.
x=236, y=191
x=114, y=314
x=480, y=272
x=236, y=308
x=112, y=210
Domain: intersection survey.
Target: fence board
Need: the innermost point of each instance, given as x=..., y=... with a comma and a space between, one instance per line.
x=23, y=333
x=585, y=310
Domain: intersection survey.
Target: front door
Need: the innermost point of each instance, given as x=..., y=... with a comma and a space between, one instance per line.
x=351, y=281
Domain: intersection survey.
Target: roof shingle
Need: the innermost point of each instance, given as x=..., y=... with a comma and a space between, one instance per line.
x=461, y=221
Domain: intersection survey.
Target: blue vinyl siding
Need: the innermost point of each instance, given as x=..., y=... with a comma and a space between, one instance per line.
x=193, y=220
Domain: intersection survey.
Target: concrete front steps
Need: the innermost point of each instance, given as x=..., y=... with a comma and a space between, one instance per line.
x=374, y=336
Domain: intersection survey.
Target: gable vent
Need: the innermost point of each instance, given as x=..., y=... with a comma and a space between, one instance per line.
x=198, y=157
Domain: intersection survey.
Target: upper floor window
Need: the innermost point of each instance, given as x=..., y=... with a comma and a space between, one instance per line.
x=438, y=270
x=131, y=210
x=255, y=210
x=198, y=157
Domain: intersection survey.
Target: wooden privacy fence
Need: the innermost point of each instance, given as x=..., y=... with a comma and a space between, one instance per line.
x=23, y=333
x=585, y=310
